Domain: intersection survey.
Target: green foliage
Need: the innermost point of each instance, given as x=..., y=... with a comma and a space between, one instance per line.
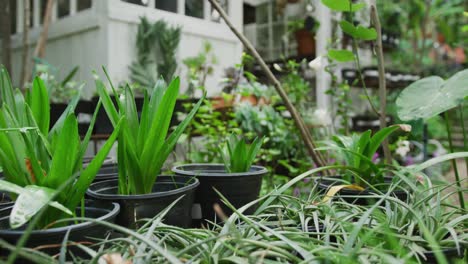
x=431, y=96
x=343, y=5
x=199, y=68
x=156, y=52
x=287, y=229
x=298, y=24
x=358, y=152
x=237, y=155
x=144, y=144
x=59, y=91
x=358, y=32
x=215, y=126
x=297, y=88
x=341, y=55
x=37, y=161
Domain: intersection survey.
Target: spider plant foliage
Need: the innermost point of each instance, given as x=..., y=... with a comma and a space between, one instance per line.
x=37, y=162
x=358, y=152
x=237, y=155
x=144, y=144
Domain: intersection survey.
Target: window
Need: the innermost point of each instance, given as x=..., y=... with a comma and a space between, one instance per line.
x=83, y=4
x=214, y=15
x=31, y=13
x=167, y=5
x=194, y=8
x=63, y=8
x=13, y=16
x=137, y=2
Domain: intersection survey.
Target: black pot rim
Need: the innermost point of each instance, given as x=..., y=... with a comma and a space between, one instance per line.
x=98, y=195
x=255, y=170
x=57, y=230
x=319, y=182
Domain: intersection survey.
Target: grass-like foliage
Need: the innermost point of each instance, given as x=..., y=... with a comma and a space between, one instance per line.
x=304, y=229
x=358, y=151
x=36, y=161
x=237, y=155
x=143, y=143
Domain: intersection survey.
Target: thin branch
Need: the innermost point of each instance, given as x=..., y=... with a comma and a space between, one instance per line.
x=361, y=78
x=382, y=85
x=307, y=138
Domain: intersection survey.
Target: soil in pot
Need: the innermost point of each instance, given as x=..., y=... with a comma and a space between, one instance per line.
x=238, y=188
x=50, y=239
x=137, y=207
x=324, y=185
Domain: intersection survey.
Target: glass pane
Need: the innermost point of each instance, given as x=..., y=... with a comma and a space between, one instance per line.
x=194, y=8
x=63, y=8
x=167, y=5
x=137, y=2
x=215, y=15
x=13, y=16
x=83, y=4
x=31, y=13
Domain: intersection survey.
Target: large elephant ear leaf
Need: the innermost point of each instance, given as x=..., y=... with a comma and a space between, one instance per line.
x=31, y=199
x=431, y=96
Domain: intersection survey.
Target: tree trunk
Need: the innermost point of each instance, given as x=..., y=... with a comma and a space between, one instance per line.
x=5, y=33
x=41, y=43
x=25, y=57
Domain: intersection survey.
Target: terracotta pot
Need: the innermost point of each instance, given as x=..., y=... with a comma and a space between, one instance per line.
x=263, y=101
x=252, y=99
x=219, y=102
x=305, y=43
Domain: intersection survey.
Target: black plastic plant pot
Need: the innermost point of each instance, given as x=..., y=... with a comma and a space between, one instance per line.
x=103, y=124
x=107, y=172
x=238, y=188
x=50, y=240
x=5, y=200
x=450, y=254
x=56, y=110
x=352, y=196
x=166, y=190
x=88, y=159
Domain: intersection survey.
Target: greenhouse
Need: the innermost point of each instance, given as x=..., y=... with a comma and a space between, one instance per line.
x=233, y=131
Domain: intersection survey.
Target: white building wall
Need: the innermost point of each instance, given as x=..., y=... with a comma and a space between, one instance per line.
x=105, y=35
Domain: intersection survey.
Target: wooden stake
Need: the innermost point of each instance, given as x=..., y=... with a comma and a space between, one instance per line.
x=41, y=43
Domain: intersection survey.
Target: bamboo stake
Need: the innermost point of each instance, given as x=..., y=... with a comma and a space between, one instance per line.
x=382, y=84
x=41, y=43
x=307, y=138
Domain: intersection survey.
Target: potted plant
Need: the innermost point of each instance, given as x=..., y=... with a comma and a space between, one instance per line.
x=237, y=179
x=142, y=150
x=363, y=175
x=43, y=170
x=304, y=30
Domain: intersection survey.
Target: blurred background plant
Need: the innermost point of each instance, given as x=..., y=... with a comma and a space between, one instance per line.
x=156, y=45
x=60, y=91
x=199, y=68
